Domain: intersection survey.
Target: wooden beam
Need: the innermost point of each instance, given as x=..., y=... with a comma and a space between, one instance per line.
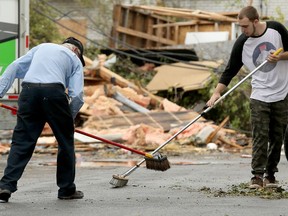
x=188, y=23
x=116, y=19
x=187, y=14
x=149, y=31
x=176, y=34
x=125, y=23
x=145, y=36
x=214, y=133
x=112, y=77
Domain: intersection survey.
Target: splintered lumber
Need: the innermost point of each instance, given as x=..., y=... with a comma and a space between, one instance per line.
x=119, y=97
x=128, y=93
x=114, y=78
x=159, y=119
x=214, y=133
x=228, y=142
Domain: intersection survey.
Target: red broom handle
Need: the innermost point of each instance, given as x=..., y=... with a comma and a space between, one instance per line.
x=113, y=143
x=8, y=107
x=93, y=136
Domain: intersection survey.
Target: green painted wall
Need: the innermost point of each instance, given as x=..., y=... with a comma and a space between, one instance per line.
x=7, y=54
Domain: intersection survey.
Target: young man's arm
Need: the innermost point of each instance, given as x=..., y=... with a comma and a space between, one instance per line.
x=216, y=95
x=232, y=68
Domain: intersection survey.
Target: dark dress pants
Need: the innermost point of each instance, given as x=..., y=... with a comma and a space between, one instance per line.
x=39, y=104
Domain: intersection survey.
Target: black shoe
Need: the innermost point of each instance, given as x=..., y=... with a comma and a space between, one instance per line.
x=5, y=194
x=76, y=195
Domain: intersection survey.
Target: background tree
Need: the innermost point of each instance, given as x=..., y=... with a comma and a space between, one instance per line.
x=42, y=29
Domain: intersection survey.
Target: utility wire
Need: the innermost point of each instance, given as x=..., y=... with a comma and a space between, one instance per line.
x=114, y=50
x=132, y=48
x=119, y=41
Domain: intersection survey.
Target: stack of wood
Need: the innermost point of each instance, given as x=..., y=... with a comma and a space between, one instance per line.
x=164, y=26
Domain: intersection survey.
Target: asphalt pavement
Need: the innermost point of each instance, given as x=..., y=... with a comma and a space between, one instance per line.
x=194, y=185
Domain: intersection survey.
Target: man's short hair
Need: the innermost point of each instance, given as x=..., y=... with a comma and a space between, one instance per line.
x=250, y=12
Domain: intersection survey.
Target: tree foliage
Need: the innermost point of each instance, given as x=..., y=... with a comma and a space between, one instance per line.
x=42, y=29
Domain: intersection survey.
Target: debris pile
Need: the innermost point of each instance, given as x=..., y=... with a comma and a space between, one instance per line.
x=119, y=110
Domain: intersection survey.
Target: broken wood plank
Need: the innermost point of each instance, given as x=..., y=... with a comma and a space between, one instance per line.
x=158, y=119
x=114, y=78
x=188, y=14
x=226, y=141
x=121, y=98
x=214, y=133
x=145, y=36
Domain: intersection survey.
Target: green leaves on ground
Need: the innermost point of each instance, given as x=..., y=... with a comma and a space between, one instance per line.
x=243, y=190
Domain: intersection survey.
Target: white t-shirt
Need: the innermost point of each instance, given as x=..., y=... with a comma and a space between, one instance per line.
x=270, y=82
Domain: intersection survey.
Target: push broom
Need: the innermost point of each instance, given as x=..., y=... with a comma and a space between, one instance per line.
x=155, y=162
x=121, y=180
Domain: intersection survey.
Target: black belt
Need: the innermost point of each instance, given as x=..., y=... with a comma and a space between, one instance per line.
x=45, y=85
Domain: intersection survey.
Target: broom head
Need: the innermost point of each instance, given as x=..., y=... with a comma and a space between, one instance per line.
x=118, y=181
x=157, y=162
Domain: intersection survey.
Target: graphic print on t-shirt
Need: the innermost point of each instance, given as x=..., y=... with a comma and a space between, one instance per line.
x=260, y=54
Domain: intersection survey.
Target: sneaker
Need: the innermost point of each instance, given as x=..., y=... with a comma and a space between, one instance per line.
x=270, y=182
x=76, y=195
x=5, y=194
x=256, y=182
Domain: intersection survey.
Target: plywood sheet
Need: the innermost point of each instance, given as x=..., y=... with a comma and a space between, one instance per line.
x=180, y=75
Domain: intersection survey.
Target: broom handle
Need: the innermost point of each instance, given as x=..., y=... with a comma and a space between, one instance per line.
x=95, y=137
x=202, y=113
x=220, y=99
x=114, y=143
x=8, y=107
